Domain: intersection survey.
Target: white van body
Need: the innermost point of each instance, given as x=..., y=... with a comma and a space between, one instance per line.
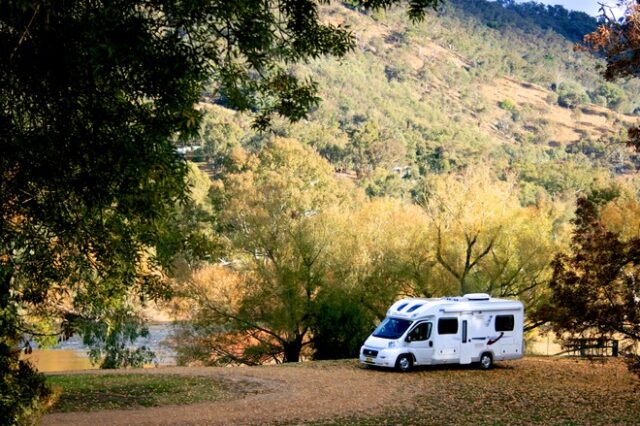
x=471, y=328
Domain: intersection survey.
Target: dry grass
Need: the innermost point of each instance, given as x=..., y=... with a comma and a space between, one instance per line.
x=564, y=125
x=529, y=391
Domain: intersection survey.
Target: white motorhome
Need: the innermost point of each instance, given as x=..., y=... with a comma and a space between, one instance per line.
x=471, y=328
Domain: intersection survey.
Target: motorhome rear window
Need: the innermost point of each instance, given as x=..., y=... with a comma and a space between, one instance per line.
x=504, y=322
x=448, y=326
x=413, y=308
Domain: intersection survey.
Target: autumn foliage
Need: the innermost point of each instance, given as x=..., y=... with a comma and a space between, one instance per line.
x=619, y=42
x=596, y=287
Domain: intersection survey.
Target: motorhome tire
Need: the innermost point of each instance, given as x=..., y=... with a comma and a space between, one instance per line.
x=404, y=363
x=486, y=361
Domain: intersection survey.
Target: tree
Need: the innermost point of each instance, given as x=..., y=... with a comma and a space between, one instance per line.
x=608, y=95
x=595, y=286
x=93, y=97
x=485, y=240
x=279, y=242
x=619, y=41
x=371, y=148
x=316, y=281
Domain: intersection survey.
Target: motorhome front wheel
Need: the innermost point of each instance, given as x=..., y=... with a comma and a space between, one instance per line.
x=404, y=363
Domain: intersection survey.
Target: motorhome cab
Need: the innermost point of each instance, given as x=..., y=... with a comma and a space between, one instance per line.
x=472, y=328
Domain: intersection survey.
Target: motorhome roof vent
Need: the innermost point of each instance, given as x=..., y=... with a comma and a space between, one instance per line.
x=477, y=296
x=413, y=308
x=401, y=307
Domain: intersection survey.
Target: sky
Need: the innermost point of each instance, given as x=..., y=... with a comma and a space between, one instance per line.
x=589, y=6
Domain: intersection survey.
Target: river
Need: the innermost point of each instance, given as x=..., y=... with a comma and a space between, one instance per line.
x=72, y=354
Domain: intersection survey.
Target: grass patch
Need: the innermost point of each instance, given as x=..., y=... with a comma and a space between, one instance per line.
x=86, y=392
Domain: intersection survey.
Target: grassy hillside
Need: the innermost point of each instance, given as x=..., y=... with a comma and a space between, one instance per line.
x=476, y=83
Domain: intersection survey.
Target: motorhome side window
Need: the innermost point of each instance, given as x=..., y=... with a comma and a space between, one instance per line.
x=421, y=332
x=504, y=322
x=448, y=326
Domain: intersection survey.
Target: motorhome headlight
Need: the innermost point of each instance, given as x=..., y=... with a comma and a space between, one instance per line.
x=391, y=345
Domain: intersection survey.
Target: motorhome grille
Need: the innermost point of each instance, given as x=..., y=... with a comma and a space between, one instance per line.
x=369, y=352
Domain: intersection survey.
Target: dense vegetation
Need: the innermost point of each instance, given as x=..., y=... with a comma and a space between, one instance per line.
x=410, y=178
x=401, y=106
x=94, y=96
x=445, y=158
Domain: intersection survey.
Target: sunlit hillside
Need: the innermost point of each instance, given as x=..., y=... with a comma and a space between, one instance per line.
x=475, y=83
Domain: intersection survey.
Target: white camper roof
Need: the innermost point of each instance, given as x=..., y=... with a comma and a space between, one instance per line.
x=412, y=308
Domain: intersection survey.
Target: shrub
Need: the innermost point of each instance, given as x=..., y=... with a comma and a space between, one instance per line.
x=508, y=105
x=608, y=94
x=340, y=326
x=23, y=392
x=571, y=95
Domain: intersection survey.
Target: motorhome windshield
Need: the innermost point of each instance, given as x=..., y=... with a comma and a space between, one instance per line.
x=392, y=328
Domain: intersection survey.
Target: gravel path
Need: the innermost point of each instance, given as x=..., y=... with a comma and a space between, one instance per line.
x=281, y=394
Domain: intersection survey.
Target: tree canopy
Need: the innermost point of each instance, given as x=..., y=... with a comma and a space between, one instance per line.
x=94, y=96
x=619, y=41
x=595, y=287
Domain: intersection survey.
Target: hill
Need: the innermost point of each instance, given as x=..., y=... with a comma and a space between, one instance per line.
x=491, y=83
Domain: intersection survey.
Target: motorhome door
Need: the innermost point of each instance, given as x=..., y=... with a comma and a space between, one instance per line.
x=466, y=344
x=420, y=342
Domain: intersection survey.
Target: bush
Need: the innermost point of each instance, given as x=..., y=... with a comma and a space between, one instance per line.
x=23, y=392
x=508, y=105
x=340, y=326
x=608, y=95
x=397, y=73
x=571, y=95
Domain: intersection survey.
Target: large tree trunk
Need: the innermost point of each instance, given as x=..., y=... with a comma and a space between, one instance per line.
x=7, y=316
x=292, y=350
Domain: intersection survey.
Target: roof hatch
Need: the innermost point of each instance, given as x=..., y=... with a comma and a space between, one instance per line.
x=477, y=296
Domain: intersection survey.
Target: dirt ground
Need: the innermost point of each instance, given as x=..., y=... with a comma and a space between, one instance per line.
x=297, y=394
x=279, y=395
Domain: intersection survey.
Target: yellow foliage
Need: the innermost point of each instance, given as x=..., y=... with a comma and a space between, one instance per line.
x=213, y=285
x=199, y=185
x=484, y=239
x=622, y=215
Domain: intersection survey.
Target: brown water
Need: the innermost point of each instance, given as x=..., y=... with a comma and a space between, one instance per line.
x=72, y=354
x=50, y=360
